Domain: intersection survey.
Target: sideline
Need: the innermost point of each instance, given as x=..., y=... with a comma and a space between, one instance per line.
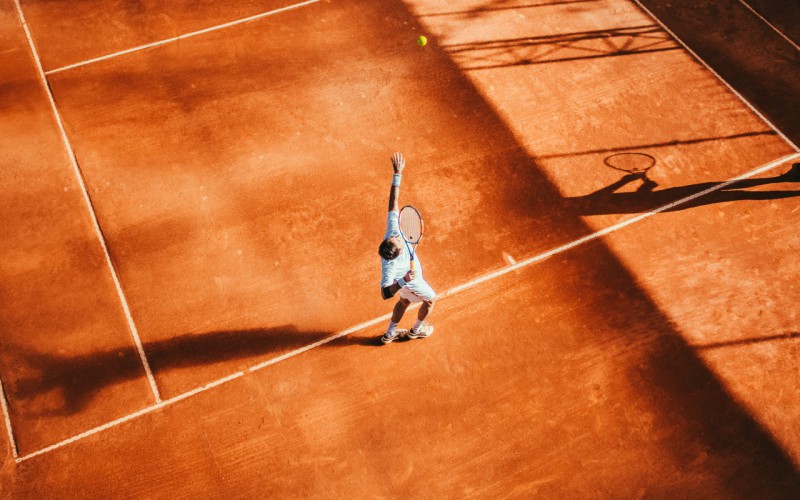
x=76, y=169
x=709, y=68
x=781, y=33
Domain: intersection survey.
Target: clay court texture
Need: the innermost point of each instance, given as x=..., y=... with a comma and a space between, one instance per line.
x=193, y=194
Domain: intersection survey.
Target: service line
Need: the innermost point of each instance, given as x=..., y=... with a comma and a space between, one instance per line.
x=180, y=37
x=385, y=317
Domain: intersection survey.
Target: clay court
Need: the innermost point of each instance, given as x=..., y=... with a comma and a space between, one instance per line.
x=193, y=198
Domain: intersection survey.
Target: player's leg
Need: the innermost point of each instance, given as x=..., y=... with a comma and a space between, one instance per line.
x=392, y=333
x=425, y=309
x=425, y=294
x=399, y=310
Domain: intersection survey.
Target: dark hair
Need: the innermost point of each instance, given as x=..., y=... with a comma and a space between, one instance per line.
x=387, y=250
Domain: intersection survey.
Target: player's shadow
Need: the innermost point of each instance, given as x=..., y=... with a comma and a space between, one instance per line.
x=647, y=198
x=63, y=385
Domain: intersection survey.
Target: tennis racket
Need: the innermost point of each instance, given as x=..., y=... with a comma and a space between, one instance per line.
x=411, y=228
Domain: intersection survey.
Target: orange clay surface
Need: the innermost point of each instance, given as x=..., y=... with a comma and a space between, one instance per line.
x=240, y=181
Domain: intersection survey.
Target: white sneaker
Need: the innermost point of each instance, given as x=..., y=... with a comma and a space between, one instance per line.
x=424, y=331
x=397, y=333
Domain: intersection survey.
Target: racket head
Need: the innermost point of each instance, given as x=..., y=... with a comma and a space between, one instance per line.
x=411, y=225
x=630, y=162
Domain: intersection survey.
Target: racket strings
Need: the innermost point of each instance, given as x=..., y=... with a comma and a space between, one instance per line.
x=411, y=225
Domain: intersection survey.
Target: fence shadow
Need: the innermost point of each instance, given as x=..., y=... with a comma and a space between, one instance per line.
x=576, y=46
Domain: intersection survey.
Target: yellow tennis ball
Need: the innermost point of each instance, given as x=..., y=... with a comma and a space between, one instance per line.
x=422, y=40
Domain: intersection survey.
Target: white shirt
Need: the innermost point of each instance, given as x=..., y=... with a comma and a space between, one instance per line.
x=393, y=270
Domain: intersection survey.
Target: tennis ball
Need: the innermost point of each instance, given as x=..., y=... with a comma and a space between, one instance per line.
x=422, y=40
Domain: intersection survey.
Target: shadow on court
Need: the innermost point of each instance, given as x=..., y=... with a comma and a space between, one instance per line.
x=710, y=432
x=647, y=197
x=482, y=10
x=64, y=385
x=743, y=50
x=707, y=429
x=710, y=435
x=749, y=341
x=594, y=44
x=675, y=142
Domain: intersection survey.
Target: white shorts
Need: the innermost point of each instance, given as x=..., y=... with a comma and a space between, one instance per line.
x=417, y=291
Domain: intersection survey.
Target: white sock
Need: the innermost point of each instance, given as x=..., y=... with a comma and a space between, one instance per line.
x=417, y=324
x=392, y=326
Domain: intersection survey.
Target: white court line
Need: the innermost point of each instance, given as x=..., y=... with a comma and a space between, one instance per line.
x=709, y=68
x=619, y=225
x=98, y=230
x=180, y=37
x=204, y=388
x=754, y=11
x=385, y=317
x=132, y=416
x=4, y=404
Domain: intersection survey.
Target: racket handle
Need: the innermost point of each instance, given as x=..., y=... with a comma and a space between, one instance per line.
x=412, y=263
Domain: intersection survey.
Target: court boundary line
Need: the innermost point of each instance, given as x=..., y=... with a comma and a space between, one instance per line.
x=713, y=72
x=180, y=37
x=76, y=170
x=774, y=28
x=449, y=293
x=7, y=416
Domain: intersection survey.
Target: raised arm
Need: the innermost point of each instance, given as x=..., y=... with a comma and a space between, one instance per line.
x=398, y=163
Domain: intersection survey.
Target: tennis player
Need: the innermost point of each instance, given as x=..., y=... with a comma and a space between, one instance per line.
x=397, y=277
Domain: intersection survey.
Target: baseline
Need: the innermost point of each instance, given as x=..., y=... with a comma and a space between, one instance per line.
x=448, y=293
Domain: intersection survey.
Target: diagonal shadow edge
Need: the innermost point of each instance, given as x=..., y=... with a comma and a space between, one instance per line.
x=782, y=470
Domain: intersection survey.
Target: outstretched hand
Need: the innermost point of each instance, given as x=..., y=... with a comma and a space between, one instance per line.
x=398, y=163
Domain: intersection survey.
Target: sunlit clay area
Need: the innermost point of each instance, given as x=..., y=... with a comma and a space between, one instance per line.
x=400, y=249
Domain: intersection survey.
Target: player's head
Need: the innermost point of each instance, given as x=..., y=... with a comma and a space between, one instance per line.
x=390, y=248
